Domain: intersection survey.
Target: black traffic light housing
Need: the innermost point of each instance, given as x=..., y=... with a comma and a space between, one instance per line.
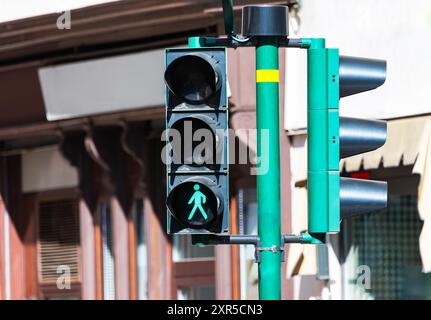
x=197, y=141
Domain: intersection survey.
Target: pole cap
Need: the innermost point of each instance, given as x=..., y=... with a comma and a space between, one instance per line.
x=265, y=20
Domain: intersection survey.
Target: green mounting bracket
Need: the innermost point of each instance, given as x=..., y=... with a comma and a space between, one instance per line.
x=229, y=19
x=315, y=238
x=323, y=138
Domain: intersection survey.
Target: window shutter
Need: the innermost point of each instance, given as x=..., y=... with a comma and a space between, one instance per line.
x=58, y=240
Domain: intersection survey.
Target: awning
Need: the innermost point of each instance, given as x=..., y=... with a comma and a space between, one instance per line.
x=423, y=168
x=408, y=143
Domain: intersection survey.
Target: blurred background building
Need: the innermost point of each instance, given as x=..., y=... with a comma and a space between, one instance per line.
x=83, y=185
x=392, y=247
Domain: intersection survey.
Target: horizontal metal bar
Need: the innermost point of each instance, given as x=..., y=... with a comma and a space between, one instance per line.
x=292, y=238
x=199, y=110
x=232, y=42
x=196, y=172
x=214, y=239
x=243, y=239
x=290, y=43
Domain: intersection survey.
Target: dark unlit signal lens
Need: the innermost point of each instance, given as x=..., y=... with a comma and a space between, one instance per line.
x=192, y=78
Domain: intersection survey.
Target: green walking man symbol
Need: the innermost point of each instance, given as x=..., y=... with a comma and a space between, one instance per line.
x=198, y=198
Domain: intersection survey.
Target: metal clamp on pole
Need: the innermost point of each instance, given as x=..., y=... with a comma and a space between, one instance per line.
x=273, y=249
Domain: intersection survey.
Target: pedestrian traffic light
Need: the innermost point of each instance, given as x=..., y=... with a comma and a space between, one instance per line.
x=331, y=77
x=197, y=141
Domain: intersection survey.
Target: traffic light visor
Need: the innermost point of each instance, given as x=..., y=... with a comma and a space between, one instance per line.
x=360, y=135
x=360, y=74
x=193, y=78
x=359, y=196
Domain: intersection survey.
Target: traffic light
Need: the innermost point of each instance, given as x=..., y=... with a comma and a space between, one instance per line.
x=197, y=141
x=331, y=137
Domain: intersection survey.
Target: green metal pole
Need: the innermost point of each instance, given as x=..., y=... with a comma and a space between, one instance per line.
x=268, y=177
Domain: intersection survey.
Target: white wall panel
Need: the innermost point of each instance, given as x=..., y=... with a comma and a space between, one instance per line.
x=105, y=85
x=47, y=169
x=394, y=30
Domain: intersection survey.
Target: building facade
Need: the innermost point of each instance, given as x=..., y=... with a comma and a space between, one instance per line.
x=385, y=254
x=82, y=210
x=82, y=182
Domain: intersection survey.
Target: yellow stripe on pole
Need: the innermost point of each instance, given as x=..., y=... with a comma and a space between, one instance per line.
x=268, y=75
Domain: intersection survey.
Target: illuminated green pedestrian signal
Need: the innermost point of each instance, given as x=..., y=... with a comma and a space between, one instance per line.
x=197, y=199
x=194, y=203
x=197, y=141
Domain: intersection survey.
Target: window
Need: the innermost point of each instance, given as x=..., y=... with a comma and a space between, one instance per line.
x=387, y=244
x=141, y=249
x=184, y=250
x=107, y=252
x=196, y=293
x=247, y=216
x=194, y=269
x=59, y=250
